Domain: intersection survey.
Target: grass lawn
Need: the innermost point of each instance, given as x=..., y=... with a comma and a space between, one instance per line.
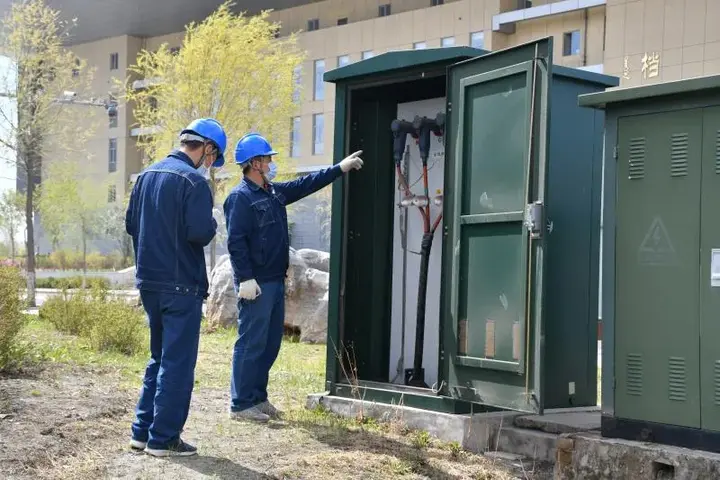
x=71, y=417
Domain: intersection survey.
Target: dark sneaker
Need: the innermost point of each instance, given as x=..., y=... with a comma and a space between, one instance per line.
x=252, y=414
x=137, y=444
x=176, y=449
x=269, y=409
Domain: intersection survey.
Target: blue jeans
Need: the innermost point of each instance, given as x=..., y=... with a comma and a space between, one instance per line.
x=260, y=332
x=167, y=387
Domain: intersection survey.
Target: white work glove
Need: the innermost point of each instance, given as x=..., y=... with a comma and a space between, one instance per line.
x=353, y=162
x=249, y=290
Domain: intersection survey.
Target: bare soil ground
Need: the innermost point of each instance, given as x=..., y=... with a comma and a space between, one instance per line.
x=68, y=417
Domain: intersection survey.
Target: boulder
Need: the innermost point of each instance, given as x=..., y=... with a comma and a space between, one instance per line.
x=306, y=291
x=315, y=259
x=306, y=297
x=222, y=310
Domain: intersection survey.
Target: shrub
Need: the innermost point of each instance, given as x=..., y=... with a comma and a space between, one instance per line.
x=72, y=282
x=118, y=327
x=72, y=260
x=108, y=324
x=11, y=316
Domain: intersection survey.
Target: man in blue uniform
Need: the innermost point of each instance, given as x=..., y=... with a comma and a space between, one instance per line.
x=170, y=220
x=258, y=243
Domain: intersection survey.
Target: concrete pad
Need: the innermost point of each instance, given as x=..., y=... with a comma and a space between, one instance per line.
x=557, y=423
x=592, y=457
x=510, y=457
x=532, y=444
x=482, y=432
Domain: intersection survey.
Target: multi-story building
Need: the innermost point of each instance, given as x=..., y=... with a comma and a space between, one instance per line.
x=640, y=41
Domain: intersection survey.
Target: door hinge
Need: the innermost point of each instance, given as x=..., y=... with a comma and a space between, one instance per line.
x=533, y=219
x=615, y=152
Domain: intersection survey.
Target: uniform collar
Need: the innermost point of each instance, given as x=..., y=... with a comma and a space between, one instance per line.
x=183, y=157
x=255, y=187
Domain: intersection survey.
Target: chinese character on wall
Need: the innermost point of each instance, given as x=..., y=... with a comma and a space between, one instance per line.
x=650, y=65
x=626, y=68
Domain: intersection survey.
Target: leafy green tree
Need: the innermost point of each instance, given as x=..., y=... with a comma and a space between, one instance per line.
x=12, y=213
x=74, y=205
x=230, y=67
x=35, y=120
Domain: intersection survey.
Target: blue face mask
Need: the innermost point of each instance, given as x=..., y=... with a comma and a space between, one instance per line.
x=272, y=173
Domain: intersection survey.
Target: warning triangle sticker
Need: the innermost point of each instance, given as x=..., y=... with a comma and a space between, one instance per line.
x=656, y=248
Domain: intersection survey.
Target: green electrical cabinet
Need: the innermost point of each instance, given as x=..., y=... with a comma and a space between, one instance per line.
x=661, y=268
x=520, y=235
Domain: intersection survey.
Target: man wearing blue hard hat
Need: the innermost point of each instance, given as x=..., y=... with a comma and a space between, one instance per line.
x=170, y=220
x=258, y=243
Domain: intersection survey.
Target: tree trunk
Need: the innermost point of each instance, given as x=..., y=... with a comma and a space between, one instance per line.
x=84, y=258
x=12, y=243
x=30, y=241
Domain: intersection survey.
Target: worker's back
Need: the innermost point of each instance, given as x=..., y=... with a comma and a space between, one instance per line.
x=170, y=219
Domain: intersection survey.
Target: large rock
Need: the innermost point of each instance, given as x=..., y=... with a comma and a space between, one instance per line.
x=306, y=292
x=222, y=310
x=315, y=259
x=306, y=297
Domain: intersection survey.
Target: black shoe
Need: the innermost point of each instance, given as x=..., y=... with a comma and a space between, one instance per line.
x=176, y=449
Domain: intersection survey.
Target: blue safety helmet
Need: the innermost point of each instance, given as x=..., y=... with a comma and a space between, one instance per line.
x=250, y=146
x=204, y=129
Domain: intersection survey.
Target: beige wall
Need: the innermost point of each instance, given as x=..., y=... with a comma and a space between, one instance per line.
x=128, y=156
x=683, y=33
x=398, y=31
x=590, y=23
x=414, y=21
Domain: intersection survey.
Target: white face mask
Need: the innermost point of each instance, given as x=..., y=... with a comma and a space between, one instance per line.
x=272, y=172
x=204, y=171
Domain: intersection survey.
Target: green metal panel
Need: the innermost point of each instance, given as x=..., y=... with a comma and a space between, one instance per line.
x=366, y=330
x=572, y=246
x=400, y=60
x=336, y=287
x=710, y=289
x=657, y=268
x=493, y=310
x=680, y=89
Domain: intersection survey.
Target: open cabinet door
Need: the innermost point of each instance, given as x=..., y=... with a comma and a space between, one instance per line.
x=496, y=146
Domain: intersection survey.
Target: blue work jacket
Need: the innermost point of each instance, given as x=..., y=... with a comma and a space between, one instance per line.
x=170, y=220
x=256, y=219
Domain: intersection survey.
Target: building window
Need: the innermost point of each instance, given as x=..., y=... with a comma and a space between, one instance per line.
x=384, y=10
x=342, y=21
x=447, y=42
x=435, y=3
x=343, y=60
x=367, y=54
x=112, y=155
x=571, y=43
x=112, y=194
x=319, y=87
x=114, y=61
x=295, y=138
x=297, y=81
x=318, y=134
x=313, y=24
x=477, y=40
x=419, y=46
